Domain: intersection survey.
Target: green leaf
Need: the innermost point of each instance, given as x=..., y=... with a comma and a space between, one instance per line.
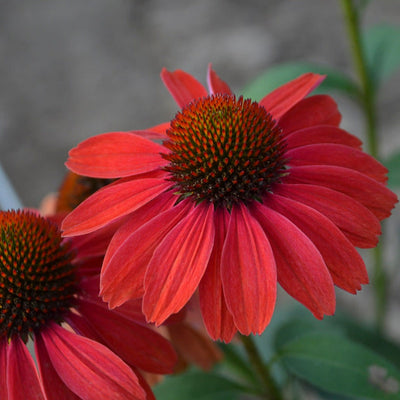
x=277, y=75
x=197, y=386
x=382, y=50
x=335, y=364
x=393, y=165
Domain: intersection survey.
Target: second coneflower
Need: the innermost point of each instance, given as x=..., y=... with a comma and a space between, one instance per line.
x=49, y=294
x=239, y=196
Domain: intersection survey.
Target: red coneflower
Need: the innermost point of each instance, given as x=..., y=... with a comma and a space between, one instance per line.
x=83, y=349
x=238, y=196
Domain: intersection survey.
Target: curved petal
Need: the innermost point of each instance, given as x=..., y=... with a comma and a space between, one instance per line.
x=51, y=382
x=22, y=378
x=217, y=318
x=372, y=194
x=215, y=83
x=137, y=345
x=339, y=155
x=129, y=255
x=301, y=269
x=345, y=264
x=358, y=224
x=178, y=264
x=115, y=155
x=88, y=368
x=282, y=99
x=248, y=272
x=183, y=87
x=110, y=203
x=321, y=134
x=314, y=110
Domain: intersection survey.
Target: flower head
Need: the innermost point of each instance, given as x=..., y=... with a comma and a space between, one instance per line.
x=240, y=195
x=49, y=294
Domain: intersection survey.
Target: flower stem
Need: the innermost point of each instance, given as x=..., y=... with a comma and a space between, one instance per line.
x=271, y=390
x=368, y=104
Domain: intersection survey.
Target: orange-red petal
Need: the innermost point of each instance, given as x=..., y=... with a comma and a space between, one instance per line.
x=217, y=318
x=248, y=272
x=282, y=99
x=178, y=264
x=22, y=378
x=300, y=267
x=88, y=368
x=115, y=155
x=183, y=87
x=110, y=203
x=215, y=83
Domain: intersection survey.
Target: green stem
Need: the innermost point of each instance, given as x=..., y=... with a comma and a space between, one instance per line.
x=368, y=103
x=271, y=390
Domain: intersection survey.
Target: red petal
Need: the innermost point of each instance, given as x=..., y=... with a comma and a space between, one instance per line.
x=110, y=203
x=182, y=86
x=373, y=195
x=340, y=155
x=248, y=273
x=301, y=269
x=3, y=367
x=342, y=259
x=115, y=155
x=285, y=97
x=157, y=132
x=215, y=83
x=321, y=134
x=314, y=110
x=217, y=318
x=22, y=378
x=137, y=345
x=178, y=264
x=51, y=382
x=359, y=225
x=88, y=368
x=130, y=253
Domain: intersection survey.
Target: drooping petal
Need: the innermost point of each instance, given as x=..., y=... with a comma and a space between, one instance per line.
x=358, y=224
x=217, y=318
x=314, y=110
x=215, y=83
x=374, y=195
x=339, y=155
x=300, y=267
x=178, y=264
x=343, y=261
x=183, y=87
x=137, y=345
x=110, y=203
x=195, y=347
x=52, y=383
x=22, y=378
x=88, y=368
x=115, y=155
x=282, y=99
x=248, y=272
x=124, y=267
x=321, y=134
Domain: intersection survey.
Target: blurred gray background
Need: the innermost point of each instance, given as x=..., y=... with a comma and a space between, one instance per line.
x=71, y=69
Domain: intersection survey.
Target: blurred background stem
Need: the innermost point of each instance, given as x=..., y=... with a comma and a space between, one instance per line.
x=271, y=390
x=352, y=19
